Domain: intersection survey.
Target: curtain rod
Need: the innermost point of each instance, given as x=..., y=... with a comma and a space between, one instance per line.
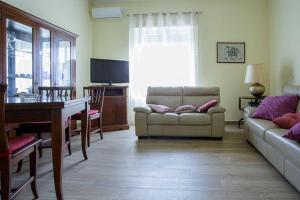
x=173, y=12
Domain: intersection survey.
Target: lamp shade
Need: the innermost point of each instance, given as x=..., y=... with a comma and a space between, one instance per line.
x=254, y=73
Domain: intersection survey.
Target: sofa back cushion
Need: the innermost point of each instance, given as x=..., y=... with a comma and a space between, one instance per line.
x=292, y=90
x=169, y=96
x=200, y=95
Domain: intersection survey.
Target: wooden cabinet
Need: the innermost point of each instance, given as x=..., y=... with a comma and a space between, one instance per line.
x=34, y=52
x=115, y=108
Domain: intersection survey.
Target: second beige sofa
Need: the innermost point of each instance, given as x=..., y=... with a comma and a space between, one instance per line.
x=210, y=124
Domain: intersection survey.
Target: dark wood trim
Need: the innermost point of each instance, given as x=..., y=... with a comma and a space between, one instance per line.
x=3, y=48
x=2, y=34
x=115, y=127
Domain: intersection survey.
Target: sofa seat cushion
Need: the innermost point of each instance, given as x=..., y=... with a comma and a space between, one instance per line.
x=163, y=119
x=259, y=126
x=194, y=119
x=290, y=149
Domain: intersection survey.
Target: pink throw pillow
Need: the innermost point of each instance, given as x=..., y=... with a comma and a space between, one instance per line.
x=185, y=109
x=288, y=120
x=294, y=133
x=160, y=108
x=276, y=106
x=204, y=108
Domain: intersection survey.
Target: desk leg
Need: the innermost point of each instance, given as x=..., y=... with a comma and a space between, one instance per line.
x=84, y=129
x=58, y=139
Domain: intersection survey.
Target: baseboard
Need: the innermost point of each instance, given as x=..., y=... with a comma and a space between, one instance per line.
x=231, y=122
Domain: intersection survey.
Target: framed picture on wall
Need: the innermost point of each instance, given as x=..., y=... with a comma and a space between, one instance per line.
x=230, y=52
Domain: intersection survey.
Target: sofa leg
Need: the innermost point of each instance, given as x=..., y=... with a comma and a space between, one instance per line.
x=142, y=137
x=218, y=138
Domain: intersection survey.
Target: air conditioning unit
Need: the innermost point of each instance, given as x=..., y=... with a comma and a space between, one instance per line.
x=103, y=13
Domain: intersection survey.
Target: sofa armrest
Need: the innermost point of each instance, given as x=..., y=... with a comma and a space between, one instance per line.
x=141, y=117
x=249, y=111
x=216, y=109
x=143, y=109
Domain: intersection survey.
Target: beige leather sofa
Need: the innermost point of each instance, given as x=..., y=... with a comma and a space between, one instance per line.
x=284, y=154
x=210, y=124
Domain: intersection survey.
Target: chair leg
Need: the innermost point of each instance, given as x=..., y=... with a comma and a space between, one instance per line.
x=89, y=132
x=68, y=137
x=100, y=127
x=40, y=149
x=5, y=178
x=20, y=165
x=33, y=171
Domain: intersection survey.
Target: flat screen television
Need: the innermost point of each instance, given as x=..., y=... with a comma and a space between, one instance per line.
x=109, y=71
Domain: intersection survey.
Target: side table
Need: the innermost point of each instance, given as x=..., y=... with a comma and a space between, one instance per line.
x=251, y=101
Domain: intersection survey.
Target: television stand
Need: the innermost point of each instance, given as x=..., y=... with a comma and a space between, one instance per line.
x=115, y=108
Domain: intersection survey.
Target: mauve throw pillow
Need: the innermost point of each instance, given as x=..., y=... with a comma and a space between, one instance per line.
x=288, y=120
x=294, y=133
x=185, y=109
x=276, y=106
x=160, y=108
x=204, y=108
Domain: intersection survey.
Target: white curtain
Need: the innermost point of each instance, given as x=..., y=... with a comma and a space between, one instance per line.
x=163, y=51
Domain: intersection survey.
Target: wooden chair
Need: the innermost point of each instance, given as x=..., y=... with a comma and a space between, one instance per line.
x=45, y=127
x=13, y=150
x=62, y=92
x=95, y=113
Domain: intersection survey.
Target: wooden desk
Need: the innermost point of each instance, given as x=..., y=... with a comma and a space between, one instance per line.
x=57, y=111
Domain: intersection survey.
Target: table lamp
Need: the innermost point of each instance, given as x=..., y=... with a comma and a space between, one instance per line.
x=255, y=76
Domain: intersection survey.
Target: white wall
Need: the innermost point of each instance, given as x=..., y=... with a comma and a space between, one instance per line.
x=285, y=44
x=72, y=15
x=221, y=20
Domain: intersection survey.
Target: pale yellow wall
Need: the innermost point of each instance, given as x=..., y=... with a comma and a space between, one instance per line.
x=72, y=15
x=285, y=44
x=221, y=20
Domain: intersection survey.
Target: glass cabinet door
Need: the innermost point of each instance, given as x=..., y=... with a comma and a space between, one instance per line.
x=62, y=60
x=45, y=57
x=19, y=59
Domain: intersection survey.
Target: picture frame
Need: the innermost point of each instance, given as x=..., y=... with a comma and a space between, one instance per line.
x=231, y=52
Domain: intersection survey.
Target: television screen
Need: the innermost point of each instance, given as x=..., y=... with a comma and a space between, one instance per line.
x=109, y=71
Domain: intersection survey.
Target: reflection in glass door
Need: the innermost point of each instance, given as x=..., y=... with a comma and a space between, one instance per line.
x=19, y=57
x=45, y=57
x=63, y=62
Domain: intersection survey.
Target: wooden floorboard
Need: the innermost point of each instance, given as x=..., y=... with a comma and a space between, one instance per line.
x=123, y=167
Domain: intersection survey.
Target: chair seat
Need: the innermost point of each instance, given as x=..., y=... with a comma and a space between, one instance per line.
x=19, y=142
x=78, y=115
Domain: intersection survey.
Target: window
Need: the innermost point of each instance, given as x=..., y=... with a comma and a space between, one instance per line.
x=163, y=52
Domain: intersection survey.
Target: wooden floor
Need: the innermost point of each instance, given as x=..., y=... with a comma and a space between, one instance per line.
x=123, y=167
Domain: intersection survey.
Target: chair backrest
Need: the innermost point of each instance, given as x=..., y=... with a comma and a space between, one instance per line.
x=3, y=136
x=56, y=92
x=97, y=96
x=292, y=90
